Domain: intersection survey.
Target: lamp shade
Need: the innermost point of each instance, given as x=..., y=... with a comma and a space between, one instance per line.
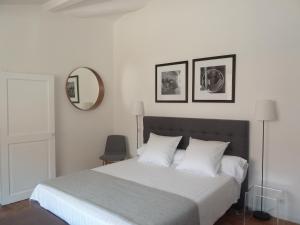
x=265, y=110
x=139, y=108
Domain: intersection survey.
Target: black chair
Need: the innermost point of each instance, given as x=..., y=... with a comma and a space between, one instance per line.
x=115, y=149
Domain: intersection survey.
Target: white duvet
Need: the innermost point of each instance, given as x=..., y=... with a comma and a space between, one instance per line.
x=213, y=195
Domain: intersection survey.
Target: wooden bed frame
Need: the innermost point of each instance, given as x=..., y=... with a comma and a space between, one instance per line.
x=234, y=131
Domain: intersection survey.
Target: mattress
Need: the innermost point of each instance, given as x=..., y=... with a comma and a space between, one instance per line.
x=213, y=195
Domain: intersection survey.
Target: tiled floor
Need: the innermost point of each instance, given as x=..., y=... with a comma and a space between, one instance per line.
x=27, y=213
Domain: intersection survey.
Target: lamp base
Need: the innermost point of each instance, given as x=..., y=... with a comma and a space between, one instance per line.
x=261, y=215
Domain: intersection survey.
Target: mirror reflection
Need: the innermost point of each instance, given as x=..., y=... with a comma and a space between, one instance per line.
x=84, y=88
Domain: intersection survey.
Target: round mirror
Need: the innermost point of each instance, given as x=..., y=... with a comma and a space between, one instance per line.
x=85, y=88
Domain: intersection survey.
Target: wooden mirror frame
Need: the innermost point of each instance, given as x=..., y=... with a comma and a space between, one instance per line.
x=100, y=85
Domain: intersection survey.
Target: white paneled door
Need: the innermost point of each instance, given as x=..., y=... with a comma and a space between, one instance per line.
x=27, y=133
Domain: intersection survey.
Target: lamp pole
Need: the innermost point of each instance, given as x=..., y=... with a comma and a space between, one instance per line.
x=138, y=111
x=262, y=167
x=261, y=215
x=137, y=131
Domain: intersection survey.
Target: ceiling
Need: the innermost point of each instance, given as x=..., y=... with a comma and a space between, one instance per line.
x=83, y=8
x=22, y=2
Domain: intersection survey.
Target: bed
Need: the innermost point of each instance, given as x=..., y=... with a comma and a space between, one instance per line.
x=212, y=196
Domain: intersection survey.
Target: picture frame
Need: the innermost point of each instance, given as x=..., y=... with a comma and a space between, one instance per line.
x=171, y=82
x=72, y=87
x=214, y=79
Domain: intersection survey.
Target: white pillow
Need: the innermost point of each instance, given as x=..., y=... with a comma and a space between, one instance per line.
x=159, y=150
x=178, y=157
x=203, y=157
x=141, y=149
x=234, y=166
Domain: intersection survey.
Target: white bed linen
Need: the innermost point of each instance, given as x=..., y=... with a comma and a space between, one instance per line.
x=213, y=195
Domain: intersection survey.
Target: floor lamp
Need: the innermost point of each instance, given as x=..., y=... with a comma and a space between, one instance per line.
x=138, y=111
x=265, y=110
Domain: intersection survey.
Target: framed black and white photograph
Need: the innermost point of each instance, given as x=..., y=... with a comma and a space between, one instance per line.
x=171, y=82
x=214, y=79
x=73, y=89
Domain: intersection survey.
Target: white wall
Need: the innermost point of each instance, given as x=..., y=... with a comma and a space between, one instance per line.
x=35, y=41
x=265, y=36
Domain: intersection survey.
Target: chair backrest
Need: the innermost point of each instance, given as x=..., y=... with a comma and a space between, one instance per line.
x=115, y=145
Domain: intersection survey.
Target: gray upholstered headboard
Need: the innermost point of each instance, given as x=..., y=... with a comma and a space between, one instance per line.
x=234, y=131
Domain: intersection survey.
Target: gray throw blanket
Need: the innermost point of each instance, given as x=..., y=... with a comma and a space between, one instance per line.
x=133, y=202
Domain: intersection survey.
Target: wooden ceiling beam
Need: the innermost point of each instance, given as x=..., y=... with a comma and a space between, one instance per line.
x=84, y=8
x=59, y=5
